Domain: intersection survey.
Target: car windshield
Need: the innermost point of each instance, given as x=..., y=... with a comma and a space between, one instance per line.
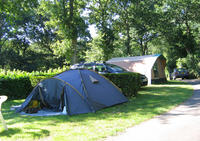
x=181, y=70
x=115, y=68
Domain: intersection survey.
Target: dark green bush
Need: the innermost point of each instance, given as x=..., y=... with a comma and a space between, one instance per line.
x=129, y=83
x=15, y=88
x=18, y=84
x=19, y=87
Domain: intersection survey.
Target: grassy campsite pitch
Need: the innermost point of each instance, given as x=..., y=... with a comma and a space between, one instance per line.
x=151, y=101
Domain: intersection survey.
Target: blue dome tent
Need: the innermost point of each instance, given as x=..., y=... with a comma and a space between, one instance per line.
x=80, y=91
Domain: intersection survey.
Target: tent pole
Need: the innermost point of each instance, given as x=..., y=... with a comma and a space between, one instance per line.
x=85, y=90
x=149, y=78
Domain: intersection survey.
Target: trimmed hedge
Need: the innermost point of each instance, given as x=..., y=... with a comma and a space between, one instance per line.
x=17, y=84
x=20, y=87
x=15, y=88
x=129, y=83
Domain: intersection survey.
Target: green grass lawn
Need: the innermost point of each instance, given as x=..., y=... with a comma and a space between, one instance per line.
x=151, y=101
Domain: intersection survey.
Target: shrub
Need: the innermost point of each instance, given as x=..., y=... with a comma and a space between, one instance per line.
x=19, y=85
x=18, y=88
x=129, y=83
x=15, y=88
x=192, y=63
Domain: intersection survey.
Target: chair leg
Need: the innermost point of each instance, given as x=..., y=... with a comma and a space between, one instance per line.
x=3, y=121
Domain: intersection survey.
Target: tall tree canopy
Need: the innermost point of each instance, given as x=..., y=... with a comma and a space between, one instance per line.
x=65, y=17
x=50, y=33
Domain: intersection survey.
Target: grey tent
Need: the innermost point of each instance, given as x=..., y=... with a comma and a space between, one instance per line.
x=152, y=66
x=80, y=91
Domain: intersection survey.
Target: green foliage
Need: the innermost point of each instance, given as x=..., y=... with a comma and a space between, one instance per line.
x=181, y=63
x=65, y=16
x=15, y=88
x=180, y=30
x=18, y=84
x=25, y=39
x=12, y=74
x=102, y=15
x=191, y=62
x=19, y=87
x=38, y=35
x=95, y=52
x=129, y=83
x=36, y=79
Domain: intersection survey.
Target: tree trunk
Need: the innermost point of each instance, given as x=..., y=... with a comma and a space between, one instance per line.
x=142, y=47
x=2, y=43
x=74, y=33
x=189, y=47
x=74, y=53
x=71, y=4
x=145, y=48
x=0, y=48
x=128, y=40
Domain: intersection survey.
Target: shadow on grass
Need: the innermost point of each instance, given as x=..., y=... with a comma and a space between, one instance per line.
x=34, y=132
x=184, y=82
x=151, y=100
x=10, y=132
x=37, y=132
x=176, y=82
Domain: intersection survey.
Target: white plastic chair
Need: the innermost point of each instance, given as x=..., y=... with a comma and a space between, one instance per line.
x=3, y=98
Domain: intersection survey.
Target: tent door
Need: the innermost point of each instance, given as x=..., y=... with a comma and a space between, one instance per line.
x=41, y=97
x=64, y=102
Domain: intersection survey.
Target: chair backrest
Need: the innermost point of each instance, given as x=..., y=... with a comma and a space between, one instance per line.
x=3, y=98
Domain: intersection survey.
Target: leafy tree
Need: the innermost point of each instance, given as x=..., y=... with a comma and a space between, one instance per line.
x=95, y=52
x=102, y=16
x=65, y=16
x=179, y=25
x=4, y=29
x=137, y=23
x=51, y=33
x=22, y=28
x=145, y=22
x=182, y=21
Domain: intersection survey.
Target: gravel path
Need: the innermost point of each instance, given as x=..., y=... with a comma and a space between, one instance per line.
x=179, y=124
